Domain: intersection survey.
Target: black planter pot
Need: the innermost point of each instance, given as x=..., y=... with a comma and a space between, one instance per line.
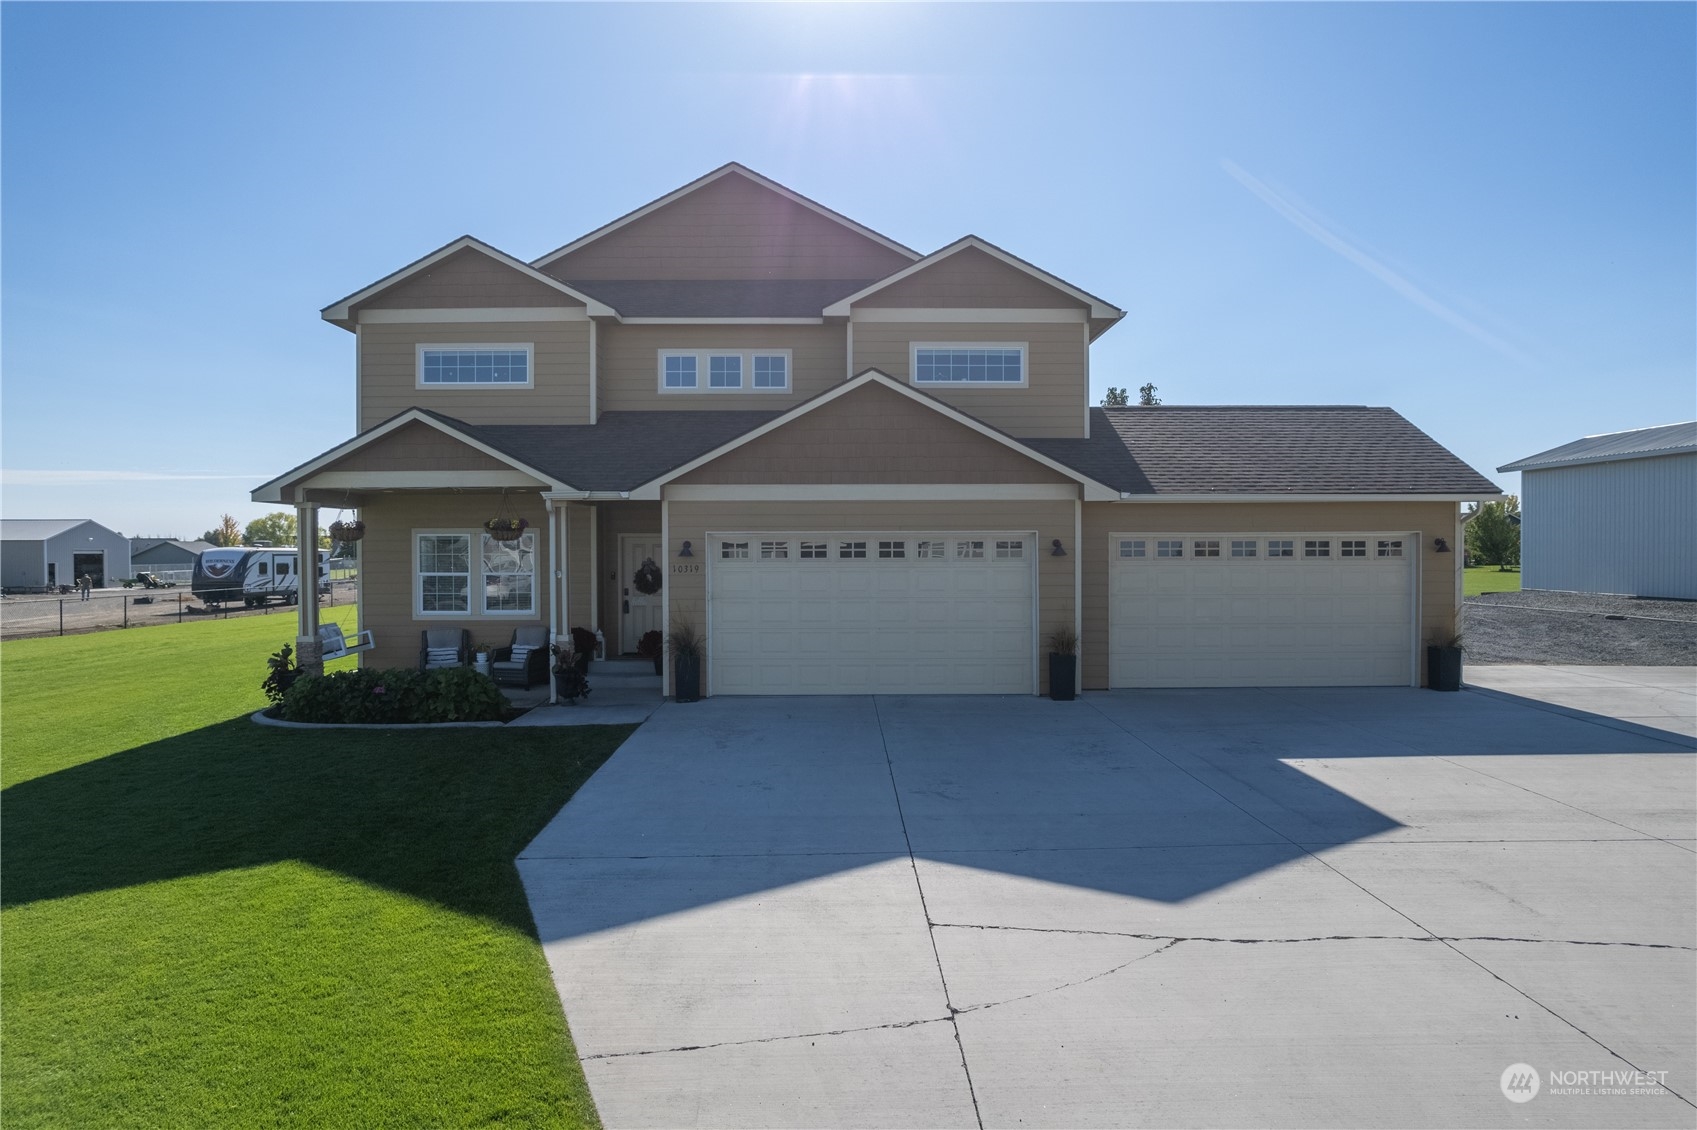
x=1063, y=677
x=686, y=672
x=1443, y=668
x=659, y=665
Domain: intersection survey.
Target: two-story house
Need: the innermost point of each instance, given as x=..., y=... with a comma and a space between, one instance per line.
x=856, y=469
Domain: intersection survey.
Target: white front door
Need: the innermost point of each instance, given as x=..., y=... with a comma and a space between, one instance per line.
x=941, y=612
x=640, y=612
x=1261, y=610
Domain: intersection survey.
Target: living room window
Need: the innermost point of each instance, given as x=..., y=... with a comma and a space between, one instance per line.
x=442, y=564
x=483, y=366
x=1000, y=364
x=726, y=370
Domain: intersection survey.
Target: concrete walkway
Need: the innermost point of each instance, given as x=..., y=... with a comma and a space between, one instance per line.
x=1662, y=698
x=1162, y=908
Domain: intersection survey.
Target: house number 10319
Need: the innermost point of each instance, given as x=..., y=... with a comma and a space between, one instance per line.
x=686, y=567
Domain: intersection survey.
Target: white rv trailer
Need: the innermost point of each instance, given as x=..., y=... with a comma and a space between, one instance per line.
x=254, y=576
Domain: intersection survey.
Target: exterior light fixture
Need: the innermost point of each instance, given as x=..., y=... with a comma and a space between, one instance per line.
x=1057, y=551
x=1440, y=545
x=686, y=551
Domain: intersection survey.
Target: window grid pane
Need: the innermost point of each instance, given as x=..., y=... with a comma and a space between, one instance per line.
x=771, y=371
x=1133, y=548
x=1010, y=550
x=814, y=551
x=969, y=550
x=509, y=571
x=475, y=366
x=1169, y=549
x=968, y=366
x=1243, y=548
x=892, y=549
x=851, y=549
x=1390, y=548
x=1206, y=548
x=733, y=551
x=1317, y=548
x=774, y=551
x=1353, y=548
x=1278, y=548
x=724, y=371
x=680, y=372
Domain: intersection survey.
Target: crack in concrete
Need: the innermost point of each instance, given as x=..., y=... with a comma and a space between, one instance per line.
x=1071, y=984
x=1558, y=800
x=770, y=1039
x=1175, y=938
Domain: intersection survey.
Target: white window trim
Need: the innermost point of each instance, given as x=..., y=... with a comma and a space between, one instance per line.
x=525, y=347
x=703, y=367
x=475, y=609
x=913, y=348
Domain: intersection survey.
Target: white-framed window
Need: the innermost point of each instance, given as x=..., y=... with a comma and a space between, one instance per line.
x=997, y=364
x=851, y=550
x=814, y=551
x=1244, y=547
x=475, y=366
x=1169, y=547
x=774, y=551
x=444, y=579
x=1390, y=548
x=931, y=549
x=1205, y=547
x=892, y=550
x=1352, y=547
x=1134, y=548
x=1321, y=547
x=969, y=550
x=1010, y=550
x=1281, y=547
x=724, y=370
x=733, y=551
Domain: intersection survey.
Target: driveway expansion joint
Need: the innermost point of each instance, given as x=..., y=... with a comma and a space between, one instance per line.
x=1176, y=938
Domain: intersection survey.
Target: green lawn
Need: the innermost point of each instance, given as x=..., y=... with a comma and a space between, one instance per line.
x=1481, y=579
x=207, y=922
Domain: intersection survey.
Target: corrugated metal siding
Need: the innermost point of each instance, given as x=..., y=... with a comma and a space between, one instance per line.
x=1627, y=527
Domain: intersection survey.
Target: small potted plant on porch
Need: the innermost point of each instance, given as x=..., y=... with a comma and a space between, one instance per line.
x=1443, y=665
x=684, y=646
x=1063, y=665
x=652, y=646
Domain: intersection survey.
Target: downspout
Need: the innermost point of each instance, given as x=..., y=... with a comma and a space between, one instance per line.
x=553, y=591
x=595, y=569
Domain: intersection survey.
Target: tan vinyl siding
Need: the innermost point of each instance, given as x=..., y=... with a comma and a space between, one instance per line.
x=691, y=521
x=970, y=277
x=559, y=373
x=1438, y=572
x=386, y=569
x=1057, y=371
x=417, y=447
x=619, y=518
x=629, y=364
x=730, y=229
x=873, y=435
x=468, y=278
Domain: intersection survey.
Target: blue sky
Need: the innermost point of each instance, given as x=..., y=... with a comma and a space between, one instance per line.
x=1480, y=215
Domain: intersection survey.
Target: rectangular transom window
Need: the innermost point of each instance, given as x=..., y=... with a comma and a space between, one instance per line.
x=1353, y=548
x=1010, y=550
x=814, y=551
x=774, y=551
x=733, y=551
x=1169, y=548
x=483, y=365
x=892, y=549
x=1281, y=547
x=851, y=549
x=969, y=550
x=928, y=550
x=942, y=363
x=1317, y=548
x=1243, y=547
x=1390, y=548
x=1137, y=548
x=726, y=370
x=1205, y=547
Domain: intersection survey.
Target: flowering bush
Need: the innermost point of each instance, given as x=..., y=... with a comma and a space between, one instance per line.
x=395, y=695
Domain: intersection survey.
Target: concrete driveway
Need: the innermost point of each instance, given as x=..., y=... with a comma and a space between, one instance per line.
x=1162, y=908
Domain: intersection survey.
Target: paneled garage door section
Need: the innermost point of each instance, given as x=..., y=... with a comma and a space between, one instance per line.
x=1261, y=610
x=872, y=613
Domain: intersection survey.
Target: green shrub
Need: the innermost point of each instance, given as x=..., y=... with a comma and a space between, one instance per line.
x=395, y=695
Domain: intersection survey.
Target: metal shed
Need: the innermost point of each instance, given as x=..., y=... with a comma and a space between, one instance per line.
x=38, y=553
x=1612, y=513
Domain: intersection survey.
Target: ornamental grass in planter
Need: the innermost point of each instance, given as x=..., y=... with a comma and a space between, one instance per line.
x=1063, y=665
x=684, y=646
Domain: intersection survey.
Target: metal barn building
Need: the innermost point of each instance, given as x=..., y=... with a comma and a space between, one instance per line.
x=1613, y=513
x=41, y=552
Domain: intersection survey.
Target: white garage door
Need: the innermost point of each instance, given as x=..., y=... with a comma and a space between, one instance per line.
x=871, y=613
x=1261, y=610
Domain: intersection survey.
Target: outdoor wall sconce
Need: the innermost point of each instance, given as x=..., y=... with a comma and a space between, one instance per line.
x=1057, y=551
x=1440, y=545
x=686, y=551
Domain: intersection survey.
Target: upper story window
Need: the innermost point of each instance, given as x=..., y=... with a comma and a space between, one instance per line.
x=727, y=370
x=945, y=363
x=458, y=366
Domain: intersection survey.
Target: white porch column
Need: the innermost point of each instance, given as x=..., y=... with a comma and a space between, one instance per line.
x=308, y=651
x=554, y=558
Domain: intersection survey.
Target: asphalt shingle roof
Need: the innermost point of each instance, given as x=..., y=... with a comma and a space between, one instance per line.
x=1639, y=443
x=719, y=298
x=1263, y=449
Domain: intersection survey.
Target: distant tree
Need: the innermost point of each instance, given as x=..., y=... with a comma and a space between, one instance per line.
x=1146, y=396
x=226, y=532
x=276, y=528
x=1116, y=398
x=1492, y=539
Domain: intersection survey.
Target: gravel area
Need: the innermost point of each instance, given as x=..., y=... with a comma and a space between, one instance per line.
x=1541, y=626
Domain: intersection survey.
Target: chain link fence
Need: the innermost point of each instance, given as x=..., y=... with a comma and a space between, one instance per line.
x=116, y=608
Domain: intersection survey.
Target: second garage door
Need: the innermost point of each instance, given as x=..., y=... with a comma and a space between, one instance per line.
x=872, y=613
x=1261, y=610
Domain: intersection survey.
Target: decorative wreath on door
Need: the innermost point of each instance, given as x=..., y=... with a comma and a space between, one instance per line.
x=647, y=579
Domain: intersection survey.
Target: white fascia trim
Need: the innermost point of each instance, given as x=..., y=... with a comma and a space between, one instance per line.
x=722, y=321
x=1524, y=465
x=965, y=314
x=586, y=495
x=272, y=491
x=475, y=314
x=417, y=480
x=1093, y=490
x=702, y=182
x=1098, y=308
x=872, y=492
x=339, y=311
x=1192, y=499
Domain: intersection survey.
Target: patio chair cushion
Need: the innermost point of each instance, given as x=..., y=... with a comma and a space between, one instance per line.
x=520, y=653
x=442, y=656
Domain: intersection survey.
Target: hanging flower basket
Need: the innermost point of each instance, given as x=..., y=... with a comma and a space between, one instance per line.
x=506, y=529
x=347, y=531
x=647, y=579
